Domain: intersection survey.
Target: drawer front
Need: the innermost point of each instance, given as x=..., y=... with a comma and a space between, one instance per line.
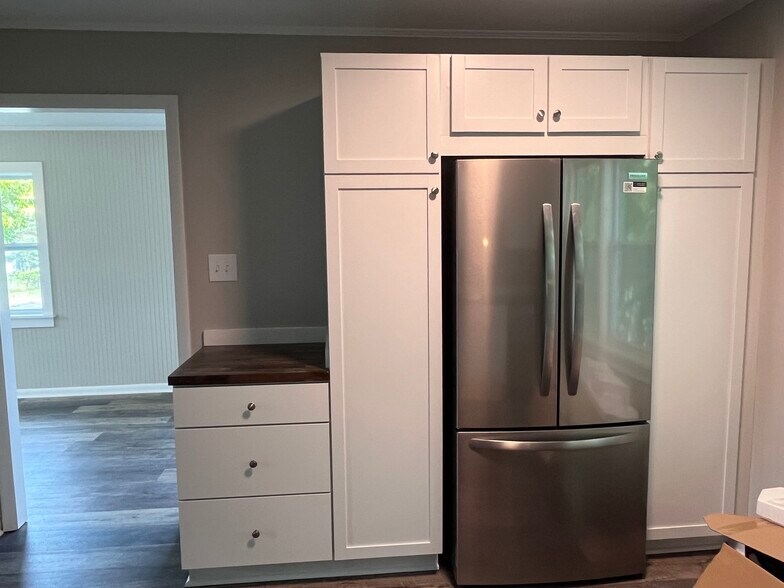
x=219, y=463
x=221, y=406
x=219, y=533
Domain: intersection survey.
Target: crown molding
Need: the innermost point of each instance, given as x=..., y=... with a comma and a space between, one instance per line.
x=319, y=31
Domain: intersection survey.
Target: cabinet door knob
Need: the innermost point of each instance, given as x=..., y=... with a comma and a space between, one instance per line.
x=253, y=464
x=251, y=406
x=540, y=115
x=255, y=534
x=433, y=193
x=433, y=155
x=557, y=115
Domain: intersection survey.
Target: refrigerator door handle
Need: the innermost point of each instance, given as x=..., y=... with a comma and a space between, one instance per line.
x=572, y=445
x=550, y=301
x=574, y=324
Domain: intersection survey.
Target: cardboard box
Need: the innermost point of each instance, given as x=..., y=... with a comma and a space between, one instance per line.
x=764, y=549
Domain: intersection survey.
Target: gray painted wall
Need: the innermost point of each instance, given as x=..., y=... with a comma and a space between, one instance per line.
x=250, y=121
x=107, y=203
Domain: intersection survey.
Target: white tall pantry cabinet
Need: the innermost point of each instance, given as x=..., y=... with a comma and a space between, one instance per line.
x=702, y=264
x=383, y=215
x=384, y=251
x=704, y=120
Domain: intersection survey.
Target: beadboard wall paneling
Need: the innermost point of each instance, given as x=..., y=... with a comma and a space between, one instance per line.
x=108, y=215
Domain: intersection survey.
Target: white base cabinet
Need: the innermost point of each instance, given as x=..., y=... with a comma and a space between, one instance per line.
x=252, y=492
x=384, y=284
x=702, y=265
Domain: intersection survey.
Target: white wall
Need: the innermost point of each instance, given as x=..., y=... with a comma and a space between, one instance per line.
x=758, y=31
x=108, y=217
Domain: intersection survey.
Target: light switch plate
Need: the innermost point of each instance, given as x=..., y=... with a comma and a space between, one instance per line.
x=223, y=267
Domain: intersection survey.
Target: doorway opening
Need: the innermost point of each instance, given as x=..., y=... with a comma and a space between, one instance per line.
x=96, y=318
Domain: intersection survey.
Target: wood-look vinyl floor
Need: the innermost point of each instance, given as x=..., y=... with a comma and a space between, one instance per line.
x=102, y=500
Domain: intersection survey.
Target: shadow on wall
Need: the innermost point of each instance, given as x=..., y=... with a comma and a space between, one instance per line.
x=281, y=223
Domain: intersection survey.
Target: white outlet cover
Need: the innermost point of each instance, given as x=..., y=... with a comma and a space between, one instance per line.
x=223, y=267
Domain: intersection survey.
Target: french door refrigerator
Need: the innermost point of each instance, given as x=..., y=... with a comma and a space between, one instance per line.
x=552, y=328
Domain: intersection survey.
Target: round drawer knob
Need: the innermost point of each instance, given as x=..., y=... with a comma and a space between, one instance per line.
x=557, y=115
x=434, y=155
x=251, y=406
x=255, y=534
x=540, y=115
x=253, y=464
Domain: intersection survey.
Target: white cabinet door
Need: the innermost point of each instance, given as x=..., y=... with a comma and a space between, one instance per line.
x=384, y=283
x=226, y=462
x=499, y=93
x=595, y=94
x=380, y=113
x=702, y=264
x=220, y=533
x=704, y=114
x=268, y=404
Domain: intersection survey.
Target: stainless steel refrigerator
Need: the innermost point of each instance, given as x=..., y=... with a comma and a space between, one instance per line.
x=551, y=305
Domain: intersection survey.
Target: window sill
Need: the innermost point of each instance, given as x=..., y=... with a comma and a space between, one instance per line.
x=32, y=322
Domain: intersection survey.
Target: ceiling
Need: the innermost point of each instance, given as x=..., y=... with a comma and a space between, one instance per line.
x=639, y=20
x=72, y=119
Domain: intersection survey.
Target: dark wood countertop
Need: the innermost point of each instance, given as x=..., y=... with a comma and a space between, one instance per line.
x=228, y=365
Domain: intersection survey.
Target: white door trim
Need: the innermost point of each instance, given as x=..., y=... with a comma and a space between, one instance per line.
x=12, y=506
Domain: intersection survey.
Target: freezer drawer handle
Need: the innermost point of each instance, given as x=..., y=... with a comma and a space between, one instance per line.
x=572, y=445
x=550, y=301
x=575, y=297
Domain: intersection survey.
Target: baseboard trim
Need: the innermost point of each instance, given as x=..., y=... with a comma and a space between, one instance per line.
x=696, y=531
x=93, y=390
x=313, y=569
x=680, y=545
x=263, y=336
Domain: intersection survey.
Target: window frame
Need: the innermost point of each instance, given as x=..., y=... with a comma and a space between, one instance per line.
x=45, y=317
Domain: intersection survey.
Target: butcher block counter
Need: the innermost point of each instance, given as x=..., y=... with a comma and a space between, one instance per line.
x=231, y=365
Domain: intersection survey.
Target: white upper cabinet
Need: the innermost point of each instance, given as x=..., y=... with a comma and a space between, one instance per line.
x=702, y=269
x=595, y=94
x=380, y=113
x=704, y=114
x=384, y=285
x=499, y=93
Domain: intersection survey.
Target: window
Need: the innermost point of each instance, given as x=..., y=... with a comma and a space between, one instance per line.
x=24, y=244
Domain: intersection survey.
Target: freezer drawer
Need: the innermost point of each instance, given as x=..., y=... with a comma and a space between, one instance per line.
x=551, y=506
